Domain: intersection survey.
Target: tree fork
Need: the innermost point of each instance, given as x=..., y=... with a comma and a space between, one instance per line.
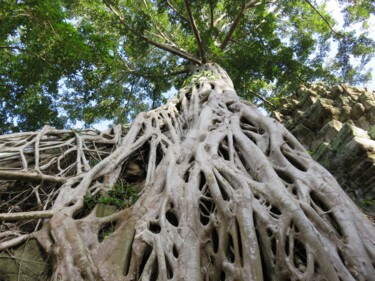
x=225, y=194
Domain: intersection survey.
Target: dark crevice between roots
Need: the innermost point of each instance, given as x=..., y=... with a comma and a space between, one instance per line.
x=206, y=207
x=318, y=202
x=266, y=268
x=250, y=137
x=288, y=142
x=67, y=161
x=284, y=176
x=159, y=155
x=81, y=213
x=248, y=125
x=230, y=250
x=187, y=176
x=335, y=224
x=178, y=107
x=286, y=246
x=247, y=122
x=239, y=239
x=296, y=229
x=89, y=203
x=146, y=255
x=172, y=217
x=173, y=122
x=204, y=98
x=223, y=193
x=244, y=163
x=316, y=267
x=154, y=271
x=275, y=212
x=202, y=181
x=153, y=122
x=135, y=169
x=268, y=149
x=175, y=251
x=215, y=240
x=342, y=256
x=128, y=257
x=223, y=150
x=154, y=227
x=293, y=190
x=294, y=161
x=169, y=268
x=273, y=247
x=106, y=231
x=222, y=276
x=300, y=256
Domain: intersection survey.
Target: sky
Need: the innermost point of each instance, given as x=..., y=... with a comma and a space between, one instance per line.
x=333, y=8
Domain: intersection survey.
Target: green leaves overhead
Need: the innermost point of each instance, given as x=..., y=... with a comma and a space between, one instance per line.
x=92, y=60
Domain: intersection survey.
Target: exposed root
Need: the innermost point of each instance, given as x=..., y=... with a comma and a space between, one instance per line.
x=223, y=193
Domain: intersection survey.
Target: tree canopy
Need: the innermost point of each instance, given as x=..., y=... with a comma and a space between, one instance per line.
x=67, y=61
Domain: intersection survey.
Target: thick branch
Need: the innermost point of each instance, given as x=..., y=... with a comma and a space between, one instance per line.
x=176, y=11
x=26, y=215
x=161, y=46
x=261, y=98
x=13, y=242
x=196, y=32
x=321, y=16
x=236, y=21
x=13, y=175
x=166, y=74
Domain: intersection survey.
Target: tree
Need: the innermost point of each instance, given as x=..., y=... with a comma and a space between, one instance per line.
x=112, y=62
x=202, y=188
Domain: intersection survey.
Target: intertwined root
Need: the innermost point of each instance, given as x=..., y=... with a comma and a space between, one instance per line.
x=224, y=194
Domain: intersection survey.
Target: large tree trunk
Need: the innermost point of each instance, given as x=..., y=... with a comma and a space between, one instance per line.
x=224, y=194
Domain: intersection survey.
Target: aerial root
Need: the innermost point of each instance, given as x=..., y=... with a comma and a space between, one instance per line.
x=220, y=193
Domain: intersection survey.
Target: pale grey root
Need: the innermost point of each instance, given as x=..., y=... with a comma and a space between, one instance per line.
x=228, y=194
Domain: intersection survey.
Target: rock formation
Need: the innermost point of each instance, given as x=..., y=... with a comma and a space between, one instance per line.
x=337, y=126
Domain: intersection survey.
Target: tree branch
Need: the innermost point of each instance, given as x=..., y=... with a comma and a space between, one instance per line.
x=26, y=51
x=321, y=16
x=236, y=21
x=195, y=31
x=161, y=46
x=176, y=11
x=36, y=177
x=13, y=242
x=173, y=73
x=261, y=98
x=26, y=215
x=222, y=16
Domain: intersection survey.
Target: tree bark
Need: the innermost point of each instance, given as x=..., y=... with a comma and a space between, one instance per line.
x=225, y=193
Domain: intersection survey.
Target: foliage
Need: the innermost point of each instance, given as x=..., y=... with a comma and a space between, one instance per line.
x=66, y=61
x=193, y=79
x=368, y=202
x=120, y=196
